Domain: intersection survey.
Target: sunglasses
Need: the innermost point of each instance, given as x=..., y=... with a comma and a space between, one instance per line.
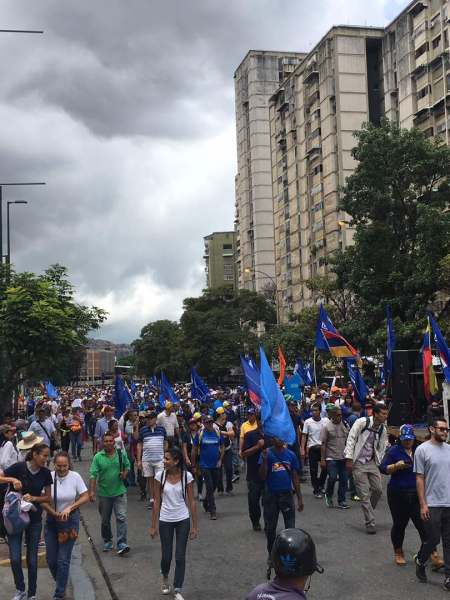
x=443, y=429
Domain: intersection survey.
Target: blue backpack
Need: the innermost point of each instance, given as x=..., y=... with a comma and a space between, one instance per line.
x=16, y=520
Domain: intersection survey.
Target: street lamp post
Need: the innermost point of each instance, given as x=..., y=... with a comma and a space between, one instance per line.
x=273, y=280
x=8, y=229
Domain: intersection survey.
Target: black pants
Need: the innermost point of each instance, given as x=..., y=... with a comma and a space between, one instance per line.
x=317, y=481
x=166, y=533
x=227, y=467
x=436, y=527
x=255, y=497
x=404, y=505
x=211, y=479
x=274, y=504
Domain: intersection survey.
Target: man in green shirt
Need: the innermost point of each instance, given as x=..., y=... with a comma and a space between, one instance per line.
x=108, y=472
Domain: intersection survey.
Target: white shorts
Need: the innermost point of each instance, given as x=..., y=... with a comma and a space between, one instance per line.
x=150, y=469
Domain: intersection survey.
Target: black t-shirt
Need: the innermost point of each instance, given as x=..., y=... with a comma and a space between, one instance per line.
x=31, y=484
x=251, y=439
x=188, y=440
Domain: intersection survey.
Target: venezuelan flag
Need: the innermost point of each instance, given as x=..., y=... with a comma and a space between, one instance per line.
x=338, y=345
x=430, y=385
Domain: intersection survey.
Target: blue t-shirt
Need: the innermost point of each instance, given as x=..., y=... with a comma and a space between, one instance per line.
x=210, y=443
x=280, y=466
x=400, y=480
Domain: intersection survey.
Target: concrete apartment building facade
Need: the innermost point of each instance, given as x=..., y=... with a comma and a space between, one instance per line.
x=256, y=79
x=299, y=134
x=219, y=256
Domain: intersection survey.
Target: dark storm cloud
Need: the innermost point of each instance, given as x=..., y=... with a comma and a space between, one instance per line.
x=126, y=110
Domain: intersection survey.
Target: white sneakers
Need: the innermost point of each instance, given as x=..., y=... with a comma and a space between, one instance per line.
x=165, y=587
x=178, y=596
x=20, y=595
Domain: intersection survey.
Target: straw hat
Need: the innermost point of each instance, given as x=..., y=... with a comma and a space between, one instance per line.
x=29, y=439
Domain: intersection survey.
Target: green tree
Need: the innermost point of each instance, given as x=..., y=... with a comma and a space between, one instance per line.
x=220, y=325
x=160, y=348
x=42, y=329
x=396, y=199
x=296, y=339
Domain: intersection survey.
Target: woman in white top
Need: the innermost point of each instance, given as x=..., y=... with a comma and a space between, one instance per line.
x=9, y=455
x=174, y=500
x=69, y=492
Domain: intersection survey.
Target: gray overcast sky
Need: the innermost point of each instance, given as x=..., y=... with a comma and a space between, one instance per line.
x=126, y=110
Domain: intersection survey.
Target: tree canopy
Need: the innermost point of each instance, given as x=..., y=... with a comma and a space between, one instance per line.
x=42, y=329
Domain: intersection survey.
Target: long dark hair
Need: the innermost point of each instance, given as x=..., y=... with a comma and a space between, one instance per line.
x=176, y=453
x=36, y=449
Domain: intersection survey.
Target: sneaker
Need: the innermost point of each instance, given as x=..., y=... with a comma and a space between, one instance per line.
x=107, y=546
x=318, y=495
x=177, y=595
x=213, y=517
x=257, y=527
x=20, y=595
x=436, y=561
x=150, y=504
x=329, y=501
x=343, y=505
x=421, y=572
x=446, y=584
x=32, y=597
x=230, y=493
x=235, y=478
x=123, y=549
x=303, y=479
x=355, y=498
x=165, y=587
x=3, y=540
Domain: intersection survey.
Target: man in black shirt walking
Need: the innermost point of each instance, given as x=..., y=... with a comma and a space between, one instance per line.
x=251, y=450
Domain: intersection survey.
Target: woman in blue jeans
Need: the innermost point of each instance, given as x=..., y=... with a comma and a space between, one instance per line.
x=68, y=493
x=31, y=478
x=174, y=500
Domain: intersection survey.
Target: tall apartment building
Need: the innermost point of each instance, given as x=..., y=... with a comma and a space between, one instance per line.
x=256, y=79
x=219, y=256
x=313, y=115
x=417, y=67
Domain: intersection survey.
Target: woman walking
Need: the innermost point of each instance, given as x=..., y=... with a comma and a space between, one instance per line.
x=68, y=493
x=174, y=500
x=9, y=454
x=30, y=478
x=401, y=493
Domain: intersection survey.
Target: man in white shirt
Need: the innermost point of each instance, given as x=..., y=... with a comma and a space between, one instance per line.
x=311, y=445
x=43, y=426
x=169, y=421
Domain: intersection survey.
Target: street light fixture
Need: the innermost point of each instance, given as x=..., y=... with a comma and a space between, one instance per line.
x=8, y=232
x=273, y=280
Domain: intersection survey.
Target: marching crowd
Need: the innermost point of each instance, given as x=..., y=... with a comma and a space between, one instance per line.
x=179, y=455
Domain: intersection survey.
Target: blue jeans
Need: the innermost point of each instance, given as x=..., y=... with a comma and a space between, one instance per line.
x=76, y=443
x=59, y=555
x=336, y=469
x=106, y=505
x=166, y=533
x=32, y=536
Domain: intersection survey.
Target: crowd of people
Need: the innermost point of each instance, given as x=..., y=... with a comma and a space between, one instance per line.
x=177, y=455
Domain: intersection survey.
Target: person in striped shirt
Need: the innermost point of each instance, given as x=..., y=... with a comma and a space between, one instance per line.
x=152, y=442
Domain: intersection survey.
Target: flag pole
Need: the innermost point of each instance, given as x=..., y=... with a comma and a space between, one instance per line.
x=314, y=362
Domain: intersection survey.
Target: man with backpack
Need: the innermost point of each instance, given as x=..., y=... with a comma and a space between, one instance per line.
x=208, y=451
x=108, y=474
x=364, y=452
x=279, y=467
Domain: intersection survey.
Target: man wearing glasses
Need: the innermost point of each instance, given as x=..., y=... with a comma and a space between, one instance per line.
x=432, y=469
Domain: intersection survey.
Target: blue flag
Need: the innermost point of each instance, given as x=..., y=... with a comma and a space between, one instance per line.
x=309, y=374
x=51, y=390
x=292, y=386
x=133, y=388
x=390, y=344
x=252, y=379
x=358, y=382
x=275, y=415
x=153, y=381
x=199, y=389
x=122, y=397
x=442, y=347
x=167, y=390
x=323, y=324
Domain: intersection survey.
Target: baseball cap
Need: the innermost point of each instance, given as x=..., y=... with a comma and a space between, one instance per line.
x=197, y=416
x=220, y=410
x=226, y=404
x=330, y=406
x=407, y=433
x=168, y=404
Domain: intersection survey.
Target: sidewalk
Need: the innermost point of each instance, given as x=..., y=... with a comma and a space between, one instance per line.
x=86, y=581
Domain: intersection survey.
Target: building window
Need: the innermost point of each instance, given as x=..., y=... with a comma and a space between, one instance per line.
x=436, y=42
x=227, y=246
x=423, y=92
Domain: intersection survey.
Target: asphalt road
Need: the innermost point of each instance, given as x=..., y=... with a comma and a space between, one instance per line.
x=229, y=558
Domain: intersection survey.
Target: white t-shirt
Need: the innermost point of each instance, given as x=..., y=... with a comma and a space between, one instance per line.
x=68, y=489
x=313, y=429
x=9, y=455
x=169, y=422
x=173, y=505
